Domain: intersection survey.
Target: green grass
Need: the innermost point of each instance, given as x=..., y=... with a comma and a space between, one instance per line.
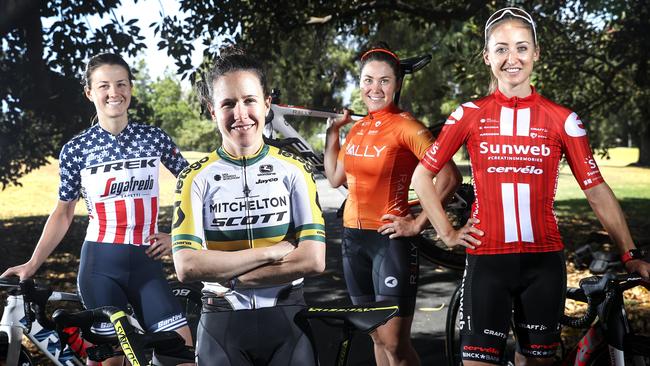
x=38, y=194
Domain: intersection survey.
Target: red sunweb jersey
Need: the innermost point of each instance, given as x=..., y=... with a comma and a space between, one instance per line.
x=515, y=147
x=380, y=153
x=118, y=178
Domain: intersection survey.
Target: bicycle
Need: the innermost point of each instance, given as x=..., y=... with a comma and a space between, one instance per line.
x=607, y=341
x=25, y=315
x=139, y=348
x=428, y=244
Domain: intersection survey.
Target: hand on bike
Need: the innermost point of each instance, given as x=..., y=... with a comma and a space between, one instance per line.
x=24, y=271
x=280, y=250
x=465, y=236
x=400, y=226
x=336, y=124
x=161, y=245
x=638, y=266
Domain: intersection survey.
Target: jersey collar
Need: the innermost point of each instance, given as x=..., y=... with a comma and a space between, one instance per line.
x=516, y=101
x=241, y=160
x=388, y=110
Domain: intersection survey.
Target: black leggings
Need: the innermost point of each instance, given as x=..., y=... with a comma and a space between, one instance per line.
x=267, y=336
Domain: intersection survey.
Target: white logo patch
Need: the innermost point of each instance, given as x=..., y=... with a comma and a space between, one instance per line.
x=458, y=113
x=573, y=126
x=390, y=281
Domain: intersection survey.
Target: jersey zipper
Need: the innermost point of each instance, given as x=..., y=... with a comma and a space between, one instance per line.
x=247, y=192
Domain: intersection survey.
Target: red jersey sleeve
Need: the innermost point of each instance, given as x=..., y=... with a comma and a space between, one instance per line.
x=453, y=135
x=578, y=153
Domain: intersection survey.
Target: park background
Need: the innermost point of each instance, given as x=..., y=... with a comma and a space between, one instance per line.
x=594, y=59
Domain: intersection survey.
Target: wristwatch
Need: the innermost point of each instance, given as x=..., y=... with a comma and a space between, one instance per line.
x=633, y=254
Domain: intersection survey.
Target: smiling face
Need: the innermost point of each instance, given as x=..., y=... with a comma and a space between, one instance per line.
x=378, y=85
x=239, y=108
x=110, y=90
x=511, y=53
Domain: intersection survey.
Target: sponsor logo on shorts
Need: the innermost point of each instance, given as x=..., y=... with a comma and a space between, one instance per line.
x=390, y=281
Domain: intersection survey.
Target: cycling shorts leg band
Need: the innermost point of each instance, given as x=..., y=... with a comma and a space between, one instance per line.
x=379, y=268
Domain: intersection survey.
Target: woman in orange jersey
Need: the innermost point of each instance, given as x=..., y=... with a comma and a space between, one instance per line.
x=377, y=161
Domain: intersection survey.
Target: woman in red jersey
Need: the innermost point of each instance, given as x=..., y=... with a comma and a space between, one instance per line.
x=516, y=139
x=377, y=161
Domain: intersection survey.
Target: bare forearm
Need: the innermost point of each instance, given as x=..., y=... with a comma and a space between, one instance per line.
x=447, y=181
x=430, y=201
x=609, y=213
x=216, y=265
x=305, y=261
x=330, y=158
x=55, y=228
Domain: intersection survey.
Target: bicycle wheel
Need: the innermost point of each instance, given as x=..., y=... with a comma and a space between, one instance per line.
x=452, y=334
x=431, y=247
x=452, y=330
x=189, y=296
x=24, y=359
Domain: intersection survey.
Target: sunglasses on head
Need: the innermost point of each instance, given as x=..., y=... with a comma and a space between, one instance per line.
x=514, y=12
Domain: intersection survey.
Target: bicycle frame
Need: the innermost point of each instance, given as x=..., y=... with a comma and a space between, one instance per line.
x=15, y=323
x=279, y=124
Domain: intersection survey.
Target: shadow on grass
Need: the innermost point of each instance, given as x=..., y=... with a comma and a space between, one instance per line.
x=579, y=225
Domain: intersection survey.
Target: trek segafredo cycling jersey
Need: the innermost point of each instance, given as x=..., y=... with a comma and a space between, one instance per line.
x=228, y=203
x=118, y=178
x=380, y=153
x=515, y=146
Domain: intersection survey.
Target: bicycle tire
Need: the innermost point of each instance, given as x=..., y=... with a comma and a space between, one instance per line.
x=189, y=296
x=452, y=336
x=23, y=360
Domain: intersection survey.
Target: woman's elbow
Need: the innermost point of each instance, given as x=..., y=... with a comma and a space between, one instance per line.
x=317, y=263
x=184, y=268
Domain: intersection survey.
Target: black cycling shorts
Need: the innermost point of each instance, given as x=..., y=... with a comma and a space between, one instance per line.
x=533, y=284
x=378, y=268
x=267, y=336
x=121, y=274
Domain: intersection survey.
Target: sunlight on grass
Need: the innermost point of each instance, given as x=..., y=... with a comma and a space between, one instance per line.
x=38, y=195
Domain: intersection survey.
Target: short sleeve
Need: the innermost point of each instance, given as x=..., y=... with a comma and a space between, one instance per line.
x=578, y=153
x=171, y=155
x=69, y=172
x=306, y=213
x=453, y=135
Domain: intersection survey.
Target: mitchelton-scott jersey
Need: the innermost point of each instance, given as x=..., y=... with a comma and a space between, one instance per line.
x=380, y=153
x=118, y=178
x=227, y=203
x=515, y=147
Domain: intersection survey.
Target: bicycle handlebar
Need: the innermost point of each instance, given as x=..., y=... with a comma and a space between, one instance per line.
x=597, y=290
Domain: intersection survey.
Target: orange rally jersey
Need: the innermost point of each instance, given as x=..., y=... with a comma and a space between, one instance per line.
x=380, y=153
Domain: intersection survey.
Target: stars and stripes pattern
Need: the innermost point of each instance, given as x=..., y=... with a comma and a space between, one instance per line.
x=118, y=178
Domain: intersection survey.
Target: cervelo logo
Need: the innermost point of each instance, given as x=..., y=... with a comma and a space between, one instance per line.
x=519, y=170
x=364, y=151
x=506, y=149
x=573, y=126
x=124, y=165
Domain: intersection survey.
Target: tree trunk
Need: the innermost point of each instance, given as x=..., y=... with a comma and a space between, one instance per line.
x=644, y=147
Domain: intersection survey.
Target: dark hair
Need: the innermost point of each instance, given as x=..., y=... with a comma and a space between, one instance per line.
x=505, y=15
x=230, y=59
x=104, y=59
x=381, y=52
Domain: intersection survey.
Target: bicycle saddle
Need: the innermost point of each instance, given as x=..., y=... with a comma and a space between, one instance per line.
x=364, y=318
x=413, y=64
x=83, y=320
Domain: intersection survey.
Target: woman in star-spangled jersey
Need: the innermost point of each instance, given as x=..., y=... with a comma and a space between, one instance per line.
x=114, y=165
